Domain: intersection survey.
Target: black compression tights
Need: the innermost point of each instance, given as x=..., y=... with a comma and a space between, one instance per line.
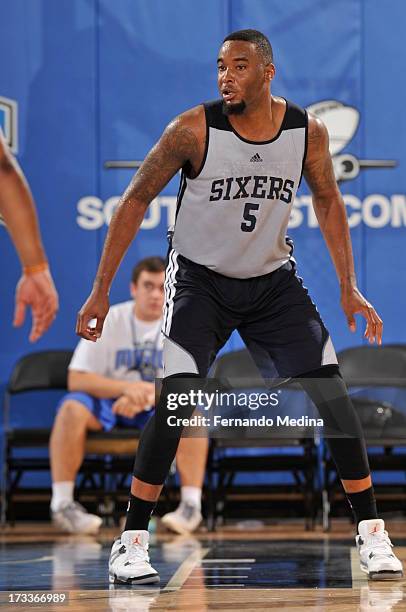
x=158, y=443
x=328, y=392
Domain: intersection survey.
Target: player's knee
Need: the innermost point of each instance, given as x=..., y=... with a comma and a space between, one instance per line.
x=73, y=414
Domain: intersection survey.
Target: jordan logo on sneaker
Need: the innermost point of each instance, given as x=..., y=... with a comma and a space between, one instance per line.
x=136, y=541
x=256, y=158
x=375, y=529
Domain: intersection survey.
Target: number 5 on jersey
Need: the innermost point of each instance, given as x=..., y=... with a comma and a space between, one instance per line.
x=250, y=220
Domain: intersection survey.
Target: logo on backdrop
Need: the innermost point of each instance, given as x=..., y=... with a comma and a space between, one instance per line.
x=8, y=122
x=376, y=210
x=342, y=122
x=8, y=125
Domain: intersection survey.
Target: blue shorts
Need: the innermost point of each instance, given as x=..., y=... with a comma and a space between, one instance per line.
x=102, y=410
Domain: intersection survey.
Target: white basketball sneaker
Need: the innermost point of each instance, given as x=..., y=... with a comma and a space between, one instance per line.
x=129, y=560
x=375, y=551
x=184, y=520
x=74, y=518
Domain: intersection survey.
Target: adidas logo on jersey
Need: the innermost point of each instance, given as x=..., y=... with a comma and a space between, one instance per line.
x=256, y=158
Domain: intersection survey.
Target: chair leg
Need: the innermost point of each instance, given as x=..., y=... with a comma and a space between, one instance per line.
x=326, y=510
x=4, y=487
x=209, y=501
x=5, y=458
x=209, y=492
x=307, y=494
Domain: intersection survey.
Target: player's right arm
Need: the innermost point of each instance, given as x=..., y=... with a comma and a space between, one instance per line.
x=35, y=287
x=178, y=144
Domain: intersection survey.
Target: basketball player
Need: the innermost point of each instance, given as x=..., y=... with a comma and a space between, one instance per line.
x=111, y=384
x=230, y=267
x=35, y=287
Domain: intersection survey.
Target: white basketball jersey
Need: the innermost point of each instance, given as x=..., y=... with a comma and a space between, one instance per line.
x=232, y=217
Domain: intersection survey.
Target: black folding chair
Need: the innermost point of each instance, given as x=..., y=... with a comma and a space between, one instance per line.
x=384, y=424
x=237, y=370
x=45, y=371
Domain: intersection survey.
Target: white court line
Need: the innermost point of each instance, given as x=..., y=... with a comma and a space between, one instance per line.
x=228, y=560
x=216, y=586
x=35, y=560
x=185, y=569
x=232, y=569
x=59, y=575
x=228, y=586
x=214, y=577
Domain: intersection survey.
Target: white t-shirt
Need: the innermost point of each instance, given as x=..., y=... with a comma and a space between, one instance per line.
x=129, y=349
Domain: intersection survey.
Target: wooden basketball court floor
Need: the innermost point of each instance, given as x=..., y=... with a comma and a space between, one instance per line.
x=280, y=567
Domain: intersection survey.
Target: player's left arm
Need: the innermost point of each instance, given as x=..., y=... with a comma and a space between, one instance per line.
x=331, y=215
x=18, y=210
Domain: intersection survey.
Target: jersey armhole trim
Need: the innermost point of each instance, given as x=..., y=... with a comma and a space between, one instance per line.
x=305, y=145
x=206, y=147
x=181, y=193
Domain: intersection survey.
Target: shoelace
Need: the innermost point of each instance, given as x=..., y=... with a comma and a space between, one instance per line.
x=380, y=543
x=136, y=552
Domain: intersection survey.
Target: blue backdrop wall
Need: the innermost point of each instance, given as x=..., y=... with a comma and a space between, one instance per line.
x=88, y=81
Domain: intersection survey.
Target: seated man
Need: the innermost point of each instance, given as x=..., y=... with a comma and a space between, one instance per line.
x=111, y=384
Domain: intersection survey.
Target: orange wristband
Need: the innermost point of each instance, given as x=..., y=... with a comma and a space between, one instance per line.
x=41, y=267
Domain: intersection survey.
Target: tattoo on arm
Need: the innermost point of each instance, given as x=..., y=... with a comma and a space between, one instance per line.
x=177, y=145
x=328, y=203
x=318, y=168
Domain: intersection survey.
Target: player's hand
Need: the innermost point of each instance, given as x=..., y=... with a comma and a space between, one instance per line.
x=96, y=307
x=38, y=292
x=126, y=408
x=353, y=302
x=140, y=393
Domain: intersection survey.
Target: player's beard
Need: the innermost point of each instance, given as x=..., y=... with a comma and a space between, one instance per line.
x=234, y=109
